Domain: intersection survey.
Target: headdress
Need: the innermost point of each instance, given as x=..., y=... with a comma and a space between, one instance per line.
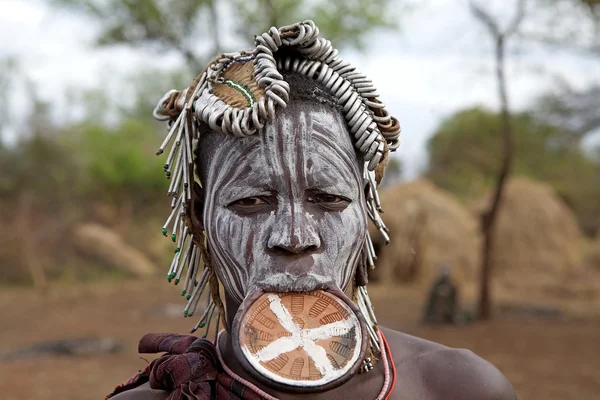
x=237, y=94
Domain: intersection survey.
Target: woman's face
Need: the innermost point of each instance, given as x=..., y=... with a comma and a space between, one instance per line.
x=284, y=210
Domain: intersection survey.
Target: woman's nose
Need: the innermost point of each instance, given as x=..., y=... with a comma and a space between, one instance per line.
x=294, y=232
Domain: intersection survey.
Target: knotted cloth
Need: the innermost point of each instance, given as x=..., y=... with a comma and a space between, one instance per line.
x=189, y=370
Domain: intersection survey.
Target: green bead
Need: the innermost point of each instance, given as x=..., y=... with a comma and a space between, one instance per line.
x=189, y=296
x=177, y=281
x=169, y=278
x=202, y=325
x=183, y=292
x=164, y=231
x=173, y=237
x=173, y=275
x=185, y=313
x=177, y=250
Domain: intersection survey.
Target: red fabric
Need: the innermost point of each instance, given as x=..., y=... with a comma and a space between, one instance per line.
x=392, y=365
x=189, y=370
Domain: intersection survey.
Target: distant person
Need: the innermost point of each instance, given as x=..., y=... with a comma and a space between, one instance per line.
x=277, y=154
x=442, y=305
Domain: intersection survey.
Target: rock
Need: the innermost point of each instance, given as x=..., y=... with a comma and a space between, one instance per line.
x=103, y=243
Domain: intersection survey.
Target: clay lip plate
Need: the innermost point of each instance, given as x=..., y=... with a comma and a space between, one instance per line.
x=304, y=340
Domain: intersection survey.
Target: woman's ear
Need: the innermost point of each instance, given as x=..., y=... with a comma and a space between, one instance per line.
x=197, y=208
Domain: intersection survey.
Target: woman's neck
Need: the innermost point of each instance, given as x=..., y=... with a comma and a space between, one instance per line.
x=365, y=386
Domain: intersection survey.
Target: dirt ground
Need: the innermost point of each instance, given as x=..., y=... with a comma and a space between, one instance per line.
x=546, y=357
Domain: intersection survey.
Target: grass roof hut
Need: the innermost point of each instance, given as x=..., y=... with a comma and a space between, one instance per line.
x=428, y=228
x=537, y=240
x=592, y=254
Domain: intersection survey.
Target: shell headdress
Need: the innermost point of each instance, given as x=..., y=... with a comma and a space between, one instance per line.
x=237, y=94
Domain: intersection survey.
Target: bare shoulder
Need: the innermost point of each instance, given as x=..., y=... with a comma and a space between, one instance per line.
x=142, y=392
x=434, y=371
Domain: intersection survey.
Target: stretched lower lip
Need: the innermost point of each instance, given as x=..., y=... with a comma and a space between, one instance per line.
x=285, y=282
x=269, y=316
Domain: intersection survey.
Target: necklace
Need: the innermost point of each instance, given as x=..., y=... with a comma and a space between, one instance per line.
x=389, y=381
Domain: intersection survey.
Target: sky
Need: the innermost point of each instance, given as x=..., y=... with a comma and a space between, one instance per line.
x=438, y=63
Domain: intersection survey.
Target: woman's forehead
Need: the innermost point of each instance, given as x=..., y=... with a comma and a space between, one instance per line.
x=303, y=137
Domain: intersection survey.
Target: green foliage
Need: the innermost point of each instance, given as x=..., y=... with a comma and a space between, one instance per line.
x=37, y=164
x=146, y=87
x=259, y=15
x=465, y=157
x=140, y=21
x=182, y=25
x=119, y=162
x=393, y=172
x=164, y=24
x=344, y=22
x=350, y=21
x=575, y=111
x=575, y=24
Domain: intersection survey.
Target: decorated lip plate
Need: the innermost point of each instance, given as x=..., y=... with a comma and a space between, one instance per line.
x=304, y=340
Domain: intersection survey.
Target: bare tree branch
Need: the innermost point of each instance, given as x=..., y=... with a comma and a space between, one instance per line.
x=485, y=18
x=517, y=19
x=488, y=21
x=489, y=216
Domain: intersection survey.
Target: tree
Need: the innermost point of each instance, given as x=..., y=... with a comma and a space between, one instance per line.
x=8, y=67
x=183, y=26
x=118, y=166
x=575, y=111
x=165, y=25
x=344, y=22
x=575, y=25
x=575, y=29
x=393, y=172
x=500, y=36
x=37, y=183
x=463, y=159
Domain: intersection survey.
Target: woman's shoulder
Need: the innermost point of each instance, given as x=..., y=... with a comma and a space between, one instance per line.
x=142, y=392
x=438, y=370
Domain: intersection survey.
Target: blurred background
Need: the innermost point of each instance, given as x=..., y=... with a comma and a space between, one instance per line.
x=498, y=171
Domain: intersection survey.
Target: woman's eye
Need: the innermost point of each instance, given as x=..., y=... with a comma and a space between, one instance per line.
x=327, y=198
x=249, y=201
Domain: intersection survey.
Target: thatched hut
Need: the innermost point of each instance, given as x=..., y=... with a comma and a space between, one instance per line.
x=428, y=228
x=592, y=254
x=537, y=239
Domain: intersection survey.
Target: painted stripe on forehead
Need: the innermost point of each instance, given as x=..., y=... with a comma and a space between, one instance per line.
x=269, y=144
x=231, y=166
x=346, y=146
x=344, y=149
x=288, y=139
x=302, y=134
x=294, y=136
x=287, y=134
x=350, y=163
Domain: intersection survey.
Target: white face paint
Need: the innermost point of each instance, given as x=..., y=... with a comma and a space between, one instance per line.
x=284, y=210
